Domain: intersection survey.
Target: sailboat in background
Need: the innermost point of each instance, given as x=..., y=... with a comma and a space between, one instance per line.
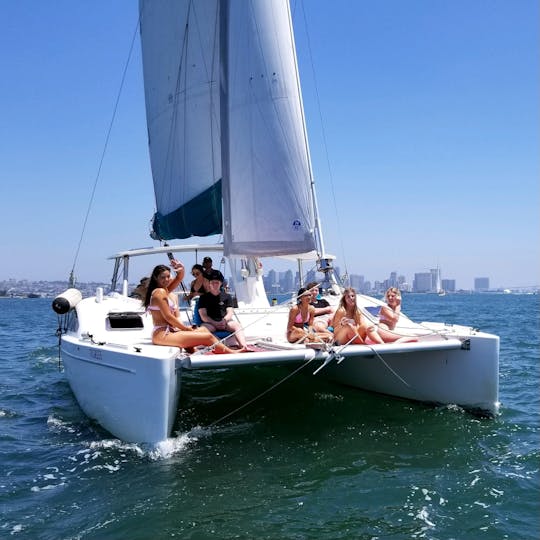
x=229, y=155
x=438, y=285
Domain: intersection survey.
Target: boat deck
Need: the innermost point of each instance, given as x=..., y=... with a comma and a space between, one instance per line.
x=272, y=353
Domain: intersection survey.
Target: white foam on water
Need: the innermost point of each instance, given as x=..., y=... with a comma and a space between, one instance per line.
x=47, y=487
x=59, y=425
x=171, y=446
x=423, y=515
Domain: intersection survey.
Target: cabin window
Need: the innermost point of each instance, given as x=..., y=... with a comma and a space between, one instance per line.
x=125, y=320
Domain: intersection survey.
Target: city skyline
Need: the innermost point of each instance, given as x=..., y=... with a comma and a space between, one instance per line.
x=287, y=281
x=356, y=280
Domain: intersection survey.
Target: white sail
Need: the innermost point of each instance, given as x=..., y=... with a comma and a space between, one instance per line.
x=181, y=75
x=252, y=132
x=268, y=206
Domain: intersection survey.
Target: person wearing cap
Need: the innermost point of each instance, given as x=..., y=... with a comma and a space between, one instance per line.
x=216, y=309
x=300, y=328
x=207, y=266
x=323, y=310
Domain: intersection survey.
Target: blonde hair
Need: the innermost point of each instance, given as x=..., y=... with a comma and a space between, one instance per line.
x=357, y=316
x=394, y=290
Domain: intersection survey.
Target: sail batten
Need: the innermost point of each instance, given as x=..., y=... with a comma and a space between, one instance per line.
x=224, y=109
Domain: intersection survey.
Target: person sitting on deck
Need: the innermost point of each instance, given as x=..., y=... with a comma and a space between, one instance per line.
x=323, y=310
x=350, y=326
x=389, y=317
x=216, y=310
x=168, y=328
x=198, y=285
x=207, y=269
x=139, y=291
x=300, y=324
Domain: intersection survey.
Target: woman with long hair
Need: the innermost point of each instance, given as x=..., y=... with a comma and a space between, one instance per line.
x=350, y=326
x=300, y=324
x=168, y=328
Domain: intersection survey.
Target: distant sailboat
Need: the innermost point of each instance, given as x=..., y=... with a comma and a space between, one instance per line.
x=229, y=156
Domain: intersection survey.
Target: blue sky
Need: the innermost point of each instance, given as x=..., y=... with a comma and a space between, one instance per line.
x=429, y=110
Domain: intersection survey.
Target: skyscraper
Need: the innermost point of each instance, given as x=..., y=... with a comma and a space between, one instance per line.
x=481, y=284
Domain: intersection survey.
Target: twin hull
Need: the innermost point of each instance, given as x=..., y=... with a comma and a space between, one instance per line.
x=131, y=387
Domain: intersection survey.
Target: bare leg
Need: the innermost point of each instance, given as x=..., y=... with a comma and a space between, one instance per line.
x=390, y=336
x=296, y=335
x=371, y=333
x=189, y=339
x=233, y=327
x=236, y=328
x=347, y=334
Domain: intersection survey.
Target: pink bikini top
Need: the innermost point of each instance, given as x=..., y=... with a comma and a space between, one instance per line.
x=298, y=318
x=172, y=306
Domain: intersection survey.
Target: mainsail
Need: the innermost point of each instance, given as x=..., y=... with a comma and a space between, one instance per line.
x=225, y=116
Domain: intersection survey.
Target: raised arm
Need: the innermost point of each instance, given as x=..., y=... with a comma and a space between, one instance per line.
x=178, y=267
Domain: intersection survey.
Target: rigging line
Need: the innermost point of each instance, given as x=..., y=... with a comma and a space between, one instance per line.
x=401, y=379
x=288, y=376
x=376, y=353
x=325, y=144
x=115, y=108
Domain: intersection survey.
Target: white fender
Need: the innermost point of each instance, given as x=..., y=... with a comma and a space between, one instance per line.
x=66, y=301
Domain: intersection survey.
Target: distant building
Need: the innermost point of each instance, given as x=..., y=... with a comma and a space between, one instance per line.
x=310, y=276
x=357, y=282
x=422, y=282
x=481, y=284
x=287, y=281
x=449, y=285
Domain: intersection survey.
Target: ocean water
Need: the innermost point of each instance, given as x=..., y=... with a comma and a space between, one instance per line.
x=309, y=460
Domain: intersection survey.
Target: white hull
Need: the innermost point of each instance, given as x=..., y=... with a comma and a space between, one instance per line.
x=133, y=396
x=445, y=375
x=131, y=387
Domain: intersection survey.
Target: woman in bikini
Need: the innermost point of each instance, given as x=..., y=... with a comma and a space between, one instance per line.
x=168, y=328
x=300, y=323
x=350, y=326
x=389, y=317
x=197, y=286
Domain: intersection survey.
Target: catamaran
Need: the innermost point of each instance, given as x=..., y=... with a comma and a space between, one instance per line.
x=230, y=157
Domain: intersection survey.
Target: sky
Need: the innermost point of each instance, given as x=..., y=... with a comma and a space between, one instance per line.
x=423, y=120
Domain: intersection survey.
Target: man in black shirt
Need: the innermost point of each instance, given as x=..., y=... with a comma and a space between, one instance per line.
x=207, y=265
x=216, y=309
